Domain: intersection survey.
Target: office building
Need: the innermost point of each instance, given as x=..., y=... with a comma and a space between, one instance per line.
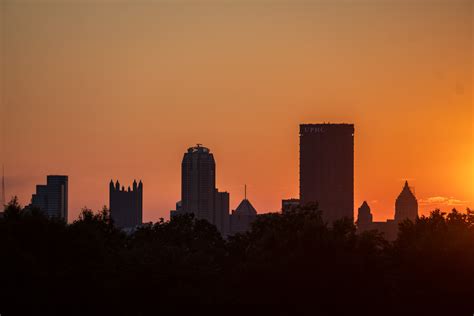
x=52, y=198
x=327, y=169
x=199, y=194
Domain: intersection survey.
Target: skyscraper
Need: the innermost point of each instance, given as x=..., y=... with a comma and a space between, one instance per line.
x=327, y=168
x=126, y=206
x=199, y=194
x=198, y=182
x=52, y=198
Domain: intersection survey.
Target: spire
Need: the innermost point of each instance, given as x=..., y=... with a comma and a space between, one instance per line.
x=407, y=191
x=245, y=192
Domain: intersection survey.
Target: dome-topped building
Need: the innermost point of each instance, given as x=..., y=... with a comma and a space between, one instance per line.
x=406, y=205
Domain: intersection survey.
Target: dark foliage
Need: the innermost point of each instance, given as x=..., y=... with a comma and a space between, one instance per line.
x=292, y=259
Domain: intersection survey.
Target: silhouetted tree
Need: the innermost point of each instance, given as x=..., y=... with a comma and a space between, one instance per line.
x=433, y=259
x=293, y=258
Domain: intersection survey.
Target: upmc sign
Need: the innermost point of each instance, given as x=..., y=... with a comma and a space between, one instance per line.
x=314, y=130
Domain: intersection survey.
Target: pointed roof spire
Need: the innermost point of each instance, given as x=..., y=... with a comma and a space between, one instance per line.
x=245, y=208
x=245, y=192
x=407, y=192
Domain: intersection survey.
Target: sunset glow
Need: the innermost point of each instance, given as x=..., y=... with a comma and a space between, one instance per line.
x=102, y=90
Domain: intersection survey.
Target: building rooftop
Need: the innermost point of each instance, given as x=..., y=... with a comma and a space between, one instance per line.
x=198, y=149
x=245, y=208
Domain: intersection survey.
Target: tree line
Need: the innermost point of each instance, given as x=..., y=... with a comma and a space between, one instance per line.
x=292, y=260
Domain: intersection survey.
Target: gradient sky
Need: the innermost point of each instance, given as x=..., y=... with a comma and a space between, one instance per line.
x=101, y=90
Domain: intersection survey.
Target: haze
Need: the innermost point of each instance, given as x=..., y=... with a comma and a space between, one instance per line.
x=102, y=90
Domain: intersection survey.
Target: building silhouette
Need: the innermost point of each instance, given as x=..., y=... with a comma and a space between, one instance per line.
x=289, y=204
x=199, y=194
x=406, y=207
x=221, y=212
x=52, y=198
x=198, y=182
x=327, y=168
x=126, y=206
x=364, y=216
x=242, y=217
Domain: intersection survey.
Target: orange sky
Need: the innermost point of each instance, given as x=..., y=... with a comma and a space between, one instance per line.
x=118, y=89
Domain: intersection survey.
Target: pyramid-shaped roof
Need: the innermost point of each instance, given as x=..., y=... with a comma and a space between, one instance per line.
x=406, y=193
x=246, y=208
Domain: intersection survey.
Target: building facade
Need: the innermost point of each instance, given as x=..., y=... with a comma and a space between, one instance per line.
x=199, y=194
x=327, y=169
x=52, y=198
x=126, y=206
x=198, y=182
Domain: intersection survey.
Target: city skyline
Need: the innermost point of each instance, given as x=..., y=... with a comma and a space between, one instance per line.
x=319, y=128
x=104, y=90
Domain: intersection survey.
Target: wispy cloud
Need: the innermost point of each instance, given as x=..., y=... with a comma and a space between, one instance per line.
x=442, y=200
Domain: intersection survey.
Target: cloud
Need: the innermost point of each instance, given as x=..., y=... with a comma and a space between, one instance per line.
x=442, y=200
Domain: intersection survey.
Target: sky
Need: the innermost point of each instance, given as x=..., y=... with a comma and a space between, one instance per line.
x=104, y=89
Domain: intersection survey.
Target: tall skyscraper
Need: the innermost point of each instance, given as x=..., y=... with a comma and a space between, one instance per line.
x=198, y=182
x=327, y=168
x=52, y=198
x=126, y=206
x=199, y=194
